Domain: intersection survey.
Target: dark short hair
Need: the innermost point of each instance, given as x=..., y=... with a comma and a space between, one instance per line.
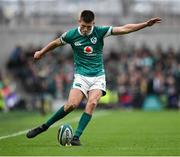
x=87, y=16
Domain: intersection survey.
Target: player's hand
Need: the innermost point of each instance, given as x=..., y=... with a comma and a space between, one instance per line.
x=153, y=21
x=37, y=55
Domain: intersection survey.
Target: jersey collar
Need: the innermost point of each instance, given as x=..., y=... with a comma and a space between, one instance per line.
x=88, y=33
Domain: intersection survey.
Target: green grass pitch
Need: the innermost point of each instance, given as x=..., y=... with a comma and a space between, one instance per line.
x=110, y=132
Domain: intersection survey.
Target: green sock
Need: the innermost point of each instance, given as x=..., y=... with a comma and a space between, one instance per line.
x=58, y=115
x=85, y=118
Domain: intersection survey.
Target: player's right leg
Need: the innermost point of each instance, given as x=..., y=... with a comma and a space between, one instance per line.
x=93, y=99
x=75, y=97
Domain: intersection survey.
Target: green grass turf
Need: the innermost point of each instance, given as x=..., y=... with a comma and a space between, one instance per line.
x=109, y=133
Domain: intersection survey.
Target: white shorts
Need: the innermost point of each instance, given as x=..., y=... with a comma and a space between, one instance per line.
x=86, y=84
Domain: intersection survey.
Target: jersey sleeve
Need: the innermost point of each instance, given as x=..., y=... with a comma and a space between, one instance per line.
x=66, y=37
x=105, y=31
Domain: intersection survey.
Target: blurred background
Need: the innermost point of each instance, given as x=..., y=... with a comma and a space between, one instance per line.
x=142, y=68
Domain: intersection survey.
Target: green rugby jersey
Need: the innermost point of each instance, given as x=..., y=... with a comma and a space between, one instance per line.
x=88, y=57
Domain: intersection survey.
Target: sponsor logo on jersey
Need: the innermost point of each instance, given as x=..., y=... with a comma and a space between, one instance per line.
x=77, y=43
x=88, y=49
x=94, y=40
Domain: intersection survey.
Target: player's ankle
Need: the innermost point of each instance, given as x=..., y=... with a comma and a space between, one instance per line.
x=44, y=126
x=76, y=137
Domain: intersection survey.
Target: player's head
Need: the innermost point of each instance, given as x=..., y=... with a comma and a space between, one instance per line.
x=86, y=21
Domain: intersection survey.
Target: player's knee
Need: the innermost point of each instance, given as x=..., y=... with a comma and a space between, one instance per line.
x=92, y=103
x=70, y=106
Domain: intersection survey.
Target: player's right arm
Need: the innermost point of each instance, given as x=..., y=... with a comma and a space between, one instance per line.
x=51, y=46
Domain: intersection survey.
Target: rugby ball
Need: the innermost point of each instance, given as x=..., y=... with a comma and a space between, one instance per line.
x=65, y=135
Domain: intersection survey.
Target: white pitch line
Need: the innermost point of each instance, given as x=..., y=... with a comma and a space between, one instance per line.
x=75, y=119
x=14, y=134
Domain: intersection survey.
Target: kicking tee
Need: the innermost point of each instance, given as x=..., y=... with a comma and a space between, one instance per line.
x=88, y=57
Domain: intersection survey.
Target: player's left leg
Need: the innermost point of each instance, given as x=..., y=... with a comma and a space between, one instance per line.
x=93, y=98
x=74, y=99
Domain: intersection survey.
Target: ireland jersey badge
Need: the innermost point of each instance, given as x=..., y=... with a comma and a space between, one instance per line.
x=94, y=40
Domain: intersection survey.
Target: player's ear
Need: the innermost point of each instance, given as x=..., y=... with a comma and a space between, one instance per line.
x=93, y=22
x=79, y=21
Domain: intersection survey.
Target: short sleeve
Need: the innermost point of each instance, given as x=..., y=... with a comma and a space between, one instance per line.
x=106, y=31
x=65, y=37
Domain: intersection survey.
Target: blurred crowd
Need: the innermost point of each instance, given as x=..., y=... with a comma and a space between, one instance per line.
x=133, y=74
x=141, y=73
x=9, y=99
x=41, y=81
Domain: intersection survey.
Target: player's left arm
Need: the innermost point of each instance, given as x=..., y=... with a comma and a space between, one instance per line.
x=134, y=27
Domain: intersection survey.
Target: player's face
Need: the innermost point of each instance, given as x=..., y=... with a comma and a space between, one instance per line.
x=85, y=28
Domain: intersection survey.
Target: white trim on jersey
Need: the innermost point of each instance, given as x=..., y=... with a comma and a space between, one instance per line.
x=63, y=42
x=79, y=31
x=88, y=33
x=108, y=33
x=63, y=35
